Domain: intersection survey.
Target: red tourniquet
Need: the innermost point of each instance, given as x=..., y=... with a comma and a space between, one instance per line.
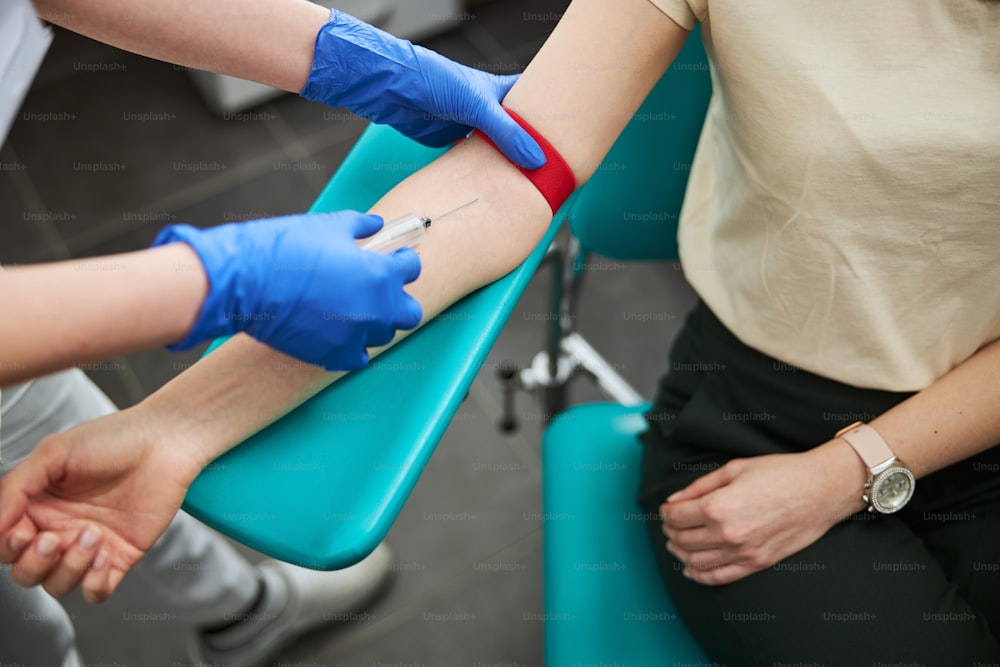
x=554, y=179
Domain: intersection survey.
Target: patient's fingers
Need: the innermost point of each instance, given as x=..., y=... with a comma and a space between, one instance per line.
x=75, y=562
x=36, y=561
x=100, y=581
x=15, y=540
x=15, y=529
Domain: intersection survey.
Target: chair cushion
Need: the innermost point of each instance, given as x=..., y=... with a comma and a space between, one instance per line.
x=604, y=600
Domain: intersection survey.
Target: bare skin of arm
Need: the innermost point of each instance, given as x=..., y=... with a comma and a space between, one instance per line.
x=92, y=309
x=224, y=37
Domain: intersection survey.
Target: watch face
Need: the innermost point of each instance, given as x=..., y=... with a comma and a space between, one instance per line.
x=893, y=490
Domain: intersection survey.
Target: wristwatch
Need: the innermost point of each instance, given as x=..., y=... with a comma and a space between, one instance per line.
x=890, y=483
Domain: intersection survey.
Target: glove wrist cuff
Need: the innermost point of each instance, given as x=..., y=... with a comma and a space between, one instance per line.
x=554, y=179
x=216, y=315
x=355, y=65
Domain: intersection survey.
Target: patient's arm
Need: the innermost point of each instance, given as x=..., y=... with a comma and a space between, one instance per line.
x=579, y=92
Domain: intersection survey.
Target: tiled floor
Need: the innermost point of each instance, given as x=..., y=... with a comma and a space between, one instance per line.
x=445, y=607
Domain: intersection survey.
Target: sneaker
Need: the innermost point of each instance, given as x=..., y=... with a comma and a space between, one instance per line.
x=314, y=598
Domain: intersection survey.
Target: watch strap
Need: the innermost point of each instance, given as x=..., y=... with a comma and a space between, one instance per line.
x=868, y=444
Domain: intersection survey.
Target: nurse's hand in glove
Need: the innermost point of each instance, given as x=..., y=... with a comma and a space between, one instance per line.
x=89, y=502
x=301, y=285
x=419, y=92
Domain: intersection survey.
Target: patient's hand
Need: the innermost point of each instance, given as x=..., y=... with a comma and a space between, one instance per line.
x=88, y=503
x=753, y=512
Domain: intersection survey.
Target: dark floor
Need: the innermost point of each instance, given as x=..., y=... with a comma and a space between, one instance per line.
x=55, y=207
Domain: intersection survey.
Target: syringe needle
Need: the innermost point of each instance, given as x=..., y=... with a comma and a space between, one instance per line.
x=405, y=231
x=449, y=212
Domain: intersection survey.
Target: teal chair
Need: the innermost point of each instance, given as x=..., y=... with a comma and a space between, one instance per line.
x=322, y=486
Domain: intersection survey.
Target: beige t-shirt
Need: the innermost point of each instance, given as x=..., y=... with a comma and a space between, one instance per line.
x=843, y=209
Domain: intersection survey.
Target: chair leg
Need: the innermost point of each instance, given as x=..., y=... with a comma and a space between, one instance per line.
x=551, y=370
x=589, y=360
x=550, y=390
x=567, y=352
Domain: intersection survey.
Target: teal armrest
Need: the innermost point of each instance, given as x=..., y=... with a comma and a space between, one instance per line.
x=322, y=486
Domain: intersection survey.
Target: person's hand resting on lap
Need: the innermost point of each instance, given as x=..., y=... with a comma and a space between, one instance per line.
x=753, y=512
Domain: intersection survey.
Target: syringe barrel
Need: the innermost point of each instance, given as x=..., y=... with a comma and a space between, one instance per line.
x=404, y=232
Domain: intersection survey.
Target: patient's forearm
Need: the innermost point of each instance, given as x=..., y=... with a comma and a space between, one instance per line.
x=245, y=385
x=579, y=92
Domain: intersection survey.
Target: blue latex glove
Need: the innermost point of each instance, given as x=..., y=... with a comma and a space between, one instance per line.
x=419, y=92
x=301, y=285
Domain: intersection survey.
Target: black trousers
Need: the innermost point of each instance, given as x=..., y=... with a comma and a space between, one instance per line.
x=919, y=587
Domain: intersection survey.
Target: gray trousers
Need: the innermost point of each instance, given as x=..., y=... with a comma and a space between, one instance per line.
x=191, y=576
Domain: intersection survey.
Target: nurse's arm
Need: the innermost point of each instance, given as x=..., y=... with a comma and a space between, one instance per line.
x=88, y=310
x=269, y=41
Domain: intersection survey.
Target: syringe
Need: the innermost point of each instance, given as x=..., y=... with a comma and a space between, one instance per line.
x=405, y=231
